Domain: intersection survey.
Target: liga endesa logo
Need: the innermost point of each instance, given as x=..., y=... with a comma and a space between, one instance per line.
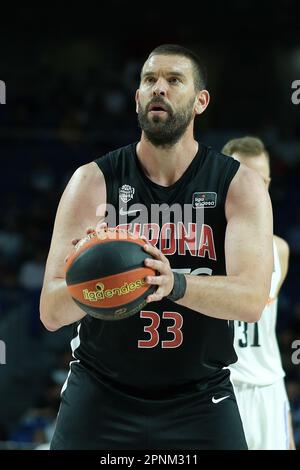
x=101, y=293
x=2, y=92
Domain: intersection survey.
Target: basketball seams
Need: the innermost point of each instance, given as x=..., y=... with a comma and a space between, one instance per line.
x=95, y=240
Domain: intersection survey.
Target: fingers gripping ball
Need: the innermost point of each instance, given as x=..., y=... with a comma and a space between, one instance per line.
x=106, y=274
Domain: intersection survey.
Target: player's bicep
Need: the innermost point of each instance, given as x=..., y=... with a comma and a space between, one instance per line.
x=76, y=211
x=249, y=233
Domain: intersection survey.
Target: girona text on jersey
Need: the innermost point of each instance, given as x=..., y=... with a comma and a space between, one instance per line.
x=175, y=238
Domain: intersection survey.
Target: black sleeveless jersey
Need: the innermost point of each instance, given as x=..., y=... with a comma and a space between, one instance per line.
x=165, y=346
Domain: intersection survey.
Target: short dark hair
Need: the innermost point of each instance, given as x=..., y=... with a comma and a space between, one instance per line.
x=199, y=69
x=247, y=146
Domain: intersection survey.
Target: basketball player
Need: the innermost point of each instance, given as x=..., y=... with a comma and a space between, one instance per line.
x=157, y=380
x=258, y=375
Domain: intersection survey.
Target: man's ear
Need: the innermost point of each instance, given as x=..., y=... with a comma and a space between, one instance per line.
x=137, y=101
x=202, y=101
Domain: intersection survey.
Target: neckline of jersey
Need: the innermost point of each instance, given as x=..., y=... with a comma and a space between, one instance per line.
x=183, y=177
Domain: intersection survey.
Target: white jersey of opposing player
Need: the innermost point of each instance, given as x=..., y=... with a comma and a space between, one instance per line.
x=259, y=361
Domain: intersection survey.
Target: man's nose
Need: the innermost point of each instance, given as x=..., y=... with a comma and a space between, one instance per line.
x=160, y=87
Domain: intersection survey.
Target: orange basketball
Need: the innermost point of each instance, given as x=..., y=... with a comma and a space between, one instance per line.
x=106, y=276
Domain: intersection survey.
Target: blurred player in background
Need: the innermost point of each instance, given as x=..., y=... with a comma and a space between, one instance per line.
x=258, y=376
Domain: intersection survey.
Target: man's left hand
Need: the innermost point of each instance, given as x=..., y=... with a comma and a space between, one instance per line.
x=164, y=279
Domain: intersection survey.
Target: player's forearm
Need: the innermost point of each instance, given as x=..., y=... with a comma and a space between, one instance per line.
x=225, y=297
x=57, y=308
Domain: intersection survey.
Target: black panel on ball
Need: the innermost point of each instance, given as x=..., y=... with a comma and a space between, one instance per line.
x=105, y=259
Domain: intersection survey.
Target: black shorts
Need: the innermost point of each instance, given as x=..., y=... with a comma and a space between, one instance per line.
x=94, y=415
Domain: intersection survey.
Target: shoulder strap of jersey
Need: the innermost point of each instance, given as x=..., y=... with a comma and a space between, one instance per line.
x=230, y=168
x=105, y=165
x=276, y=276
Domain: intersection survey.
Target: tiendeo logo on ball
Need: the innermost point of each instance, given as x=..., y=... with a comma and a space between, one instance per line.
x=101, y=293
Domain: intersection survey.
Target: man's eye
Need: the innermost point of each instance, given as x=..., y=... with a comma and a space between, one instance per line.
x=149, y=79
x=174, y=80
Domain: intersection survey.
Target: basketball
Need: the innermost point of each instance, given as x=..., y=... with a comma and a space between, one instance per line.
x=106, y=276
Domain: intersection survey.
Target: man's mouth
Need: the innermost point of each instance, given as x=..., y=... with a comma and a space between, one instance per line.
x=157, y=108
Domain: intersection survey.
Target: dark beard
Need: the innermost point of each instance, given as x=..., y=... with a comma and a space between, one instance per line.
x=167, y=132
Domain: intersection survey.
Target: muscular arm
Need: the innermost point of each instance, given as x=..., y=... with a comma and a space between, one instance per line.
x=76, y=211
x=243, y=293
